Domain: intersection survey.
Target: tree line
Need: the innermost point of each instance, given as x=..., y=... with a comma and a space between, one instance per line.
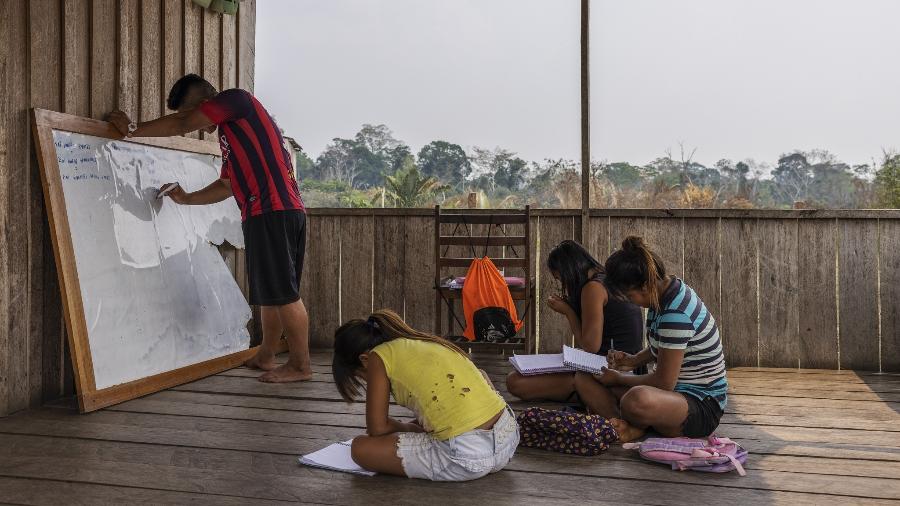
x=374, y=169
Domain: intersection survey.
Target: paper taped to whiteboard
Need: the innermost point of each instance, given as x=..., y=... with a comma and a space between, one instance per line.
x=156, y=292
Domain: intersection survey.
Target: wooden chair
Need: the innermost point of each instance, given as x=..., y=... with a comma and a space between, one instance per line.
x=462, y=235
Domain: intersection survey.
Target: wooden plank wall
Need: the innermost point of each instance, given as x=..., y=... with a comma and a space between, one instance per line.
x=84, y=57
x=552, y=328
x=787, y=289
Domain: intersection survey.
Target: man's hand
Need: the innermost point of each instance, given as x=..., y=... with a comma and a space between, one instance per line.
x=177, y=194
x=120, y=120
x=621, y=361
x=609, y=377
x=217, y=191
x=559, y=304
x=178, y=123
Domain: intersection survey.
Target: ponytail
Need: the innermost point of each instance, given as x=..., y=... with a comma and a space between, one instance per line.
x=359, y=336
x=635, y=267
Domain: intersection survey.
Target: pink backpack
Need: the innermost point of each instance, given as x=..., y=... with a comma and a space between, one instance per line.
x=711, y=455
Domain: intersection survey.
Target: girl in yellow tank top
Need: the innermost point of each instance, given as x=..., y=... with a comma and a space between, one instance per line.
x=463, y=429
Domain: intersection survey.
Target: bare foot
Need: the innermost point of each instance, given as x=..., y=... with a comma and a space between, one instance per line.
x=260, y=362
x=285, y=374
x=625, y=430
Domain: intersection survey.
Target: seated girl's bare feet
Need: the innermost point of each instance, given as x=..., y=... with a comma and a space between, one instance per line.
x=258, y=361
x=625, y=430
x=285, y=374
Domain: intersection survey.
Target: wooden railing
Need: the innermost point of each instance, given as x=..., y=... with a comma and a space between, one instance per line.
x=809, y=289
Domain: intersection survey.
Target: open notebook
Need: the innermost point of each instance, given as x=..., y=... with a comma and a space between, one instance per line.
x=571, y=359
x=546, y=363
x=581, y=360
x=335, y=457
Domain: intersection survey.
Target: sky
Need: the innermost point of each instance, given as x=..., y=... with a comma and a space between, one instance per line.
x=734, y=79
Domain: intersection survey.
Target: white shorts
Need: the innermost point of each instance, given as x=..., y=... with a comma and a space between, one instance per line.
x=468, y=456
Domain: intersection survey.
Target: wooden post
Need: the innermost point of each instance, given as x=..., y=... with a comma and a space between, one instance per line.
x=437, y=271
x=584, y=236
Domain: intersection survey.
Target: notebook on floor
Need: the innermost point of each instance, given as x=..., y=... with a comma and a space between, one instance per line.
x=580, y=360
x=546, y=363
x=335, y=457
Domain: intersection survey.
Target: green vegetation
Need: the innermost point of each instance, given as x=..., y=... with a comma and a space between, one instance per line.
x=374, y=169
x=887, y=181
x=409, y=188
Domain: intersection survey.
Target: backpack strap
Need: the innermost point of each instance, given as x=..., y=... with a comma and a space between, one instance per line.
x=737, y=465
x=511, y=247
x=714, y=440
x=702, y=453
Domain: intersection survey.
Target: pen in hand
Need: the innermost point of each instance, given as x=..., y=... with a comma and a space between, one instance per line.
x=166, y=190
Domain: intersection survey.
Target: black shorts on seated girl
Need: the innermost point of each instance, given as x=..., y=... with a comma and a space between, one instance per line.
x=703, y=416
x=683, y=323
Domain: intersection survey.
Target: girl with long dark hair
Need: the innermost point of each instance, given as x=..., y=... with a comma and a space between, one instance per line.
x=686, y=393
x=598, y=322
x=463, y=430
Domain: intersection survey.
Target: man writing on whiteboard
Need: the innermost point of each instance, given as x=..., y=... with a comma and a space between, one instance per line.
x=256, y=170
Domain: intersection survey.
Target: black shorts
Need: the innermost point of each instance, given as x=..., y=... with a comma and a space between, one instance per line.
x=703, y=416
x=275, y=244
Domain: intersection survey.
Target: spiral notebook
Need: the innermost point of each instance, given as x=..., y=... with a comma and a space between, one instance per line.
x=570, y=360
x=335, y=457
x=580, y=360
x=545, y=363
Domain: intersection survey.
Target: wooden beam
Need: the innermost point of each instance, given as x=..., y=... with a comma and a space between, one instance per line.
x=499, y=262
x=246, y=37
x=806, y=214
x=103, y=76
x=494, y=240
x=43, y=343
x=585, y=122
x=484, y=219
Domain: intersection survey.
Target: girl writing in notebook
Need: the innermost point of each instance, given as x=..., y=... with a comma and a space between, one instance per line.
x=463, y=430
x=686, y=394
x=598, y=321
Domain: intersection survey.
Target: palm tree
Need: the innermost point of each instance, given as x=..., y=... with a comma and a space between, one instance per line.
x=409, y=188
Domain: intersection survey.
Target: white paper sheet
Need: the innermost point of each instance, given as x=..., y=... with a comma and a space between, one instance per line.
x=335, y=457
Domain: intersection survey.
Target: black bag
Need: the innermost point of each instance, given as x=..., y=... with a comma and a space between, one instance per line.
x=493, y=325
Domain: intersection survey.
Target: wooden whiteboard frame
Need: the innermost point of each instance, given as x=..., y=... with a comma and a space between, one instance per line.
x=89, y=398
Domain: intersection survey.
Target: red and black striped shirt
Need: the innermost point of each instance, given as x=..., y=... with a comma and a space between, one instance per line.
x=254, y=158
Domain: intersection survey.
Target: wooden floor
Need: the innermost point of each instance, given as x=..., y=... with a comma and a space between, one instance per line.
x=815, y=437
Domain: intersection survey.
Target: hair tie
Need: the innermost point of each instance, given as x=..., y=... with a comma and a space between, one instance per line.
x=373, y=323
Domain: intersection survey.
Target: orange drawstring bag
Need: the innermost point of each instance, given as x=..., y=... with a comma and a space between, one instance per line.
x=487, y=304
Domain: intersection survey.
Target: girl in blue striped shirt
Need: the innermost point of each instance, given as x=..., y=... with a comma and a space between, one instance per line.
x=686, y=393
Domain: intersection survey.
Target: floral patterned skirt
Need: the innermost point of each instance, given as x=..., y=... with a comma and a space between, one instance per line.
x=565, y=432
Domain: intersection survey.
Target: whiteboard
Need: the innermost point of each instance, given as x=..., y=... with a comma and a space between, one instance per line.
x=157, y=294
